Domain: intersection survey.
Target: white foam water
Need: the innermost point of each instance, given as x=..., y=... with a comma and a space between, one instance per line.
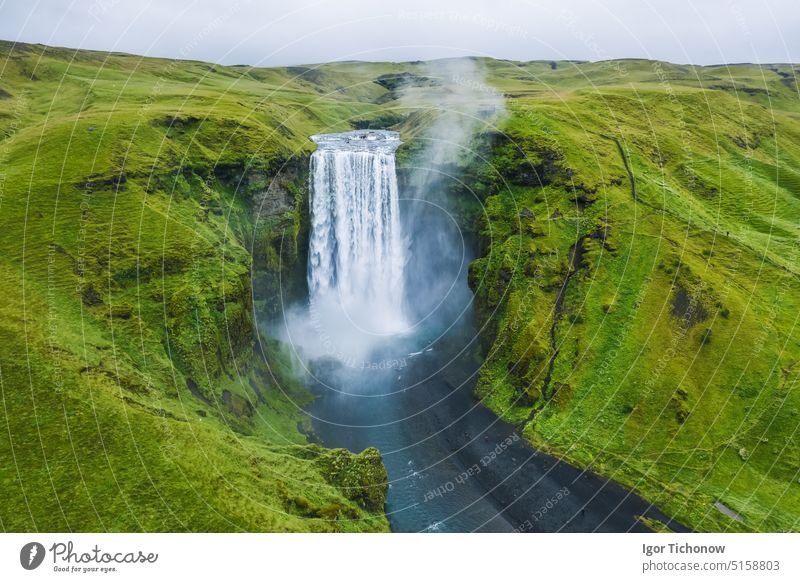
x=357, y=252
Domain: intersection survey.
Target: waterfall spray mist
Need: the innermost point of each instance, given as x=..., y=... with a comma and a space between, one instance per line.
x=457, y=103
x=386, y=264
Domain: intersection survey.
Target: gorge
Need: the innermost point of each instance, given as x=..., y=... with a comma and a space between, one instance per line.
x=407, y=389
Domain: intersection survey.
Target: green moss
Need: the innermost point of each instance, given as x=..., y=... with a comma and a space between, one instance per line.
x=646, y=384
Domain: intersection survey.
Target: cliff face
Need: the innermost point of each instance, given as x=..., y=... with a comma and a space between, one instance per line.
x=278, y=201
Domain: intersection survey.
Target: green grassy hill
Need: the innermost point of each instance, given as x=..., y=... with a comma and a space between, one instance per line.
x=641, y=281
x=639, y=284
x=135, y=194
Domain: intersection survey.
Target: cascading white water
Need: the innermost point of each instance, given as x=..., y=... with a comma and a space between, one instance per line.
x=357, y=252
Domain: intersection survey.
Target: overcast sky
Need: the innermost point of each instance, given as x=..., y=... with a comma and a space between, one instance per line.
x=282, y=32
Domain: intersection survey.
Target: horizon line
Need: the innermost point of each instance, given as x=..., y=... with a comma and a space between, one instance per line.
x=14, y=43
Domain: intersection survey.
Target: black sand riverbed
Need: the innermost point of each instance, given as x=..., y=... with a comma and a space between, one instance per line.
x=452, y=464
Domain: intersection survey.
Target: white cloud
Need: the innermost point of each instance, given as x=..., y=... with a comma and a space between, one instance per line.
x=305, y=31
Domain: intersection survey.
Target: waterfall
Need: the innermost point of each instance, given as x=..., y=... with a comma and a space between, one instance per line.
x=357, y=252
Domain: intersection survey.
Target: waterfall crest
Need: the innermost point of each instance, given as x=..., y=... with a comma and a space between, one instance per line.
x=357, y=252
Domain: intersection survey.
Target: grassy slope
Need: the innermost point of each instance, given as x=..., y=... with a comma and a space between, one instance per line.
x=126, y=280
x=654, y=339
